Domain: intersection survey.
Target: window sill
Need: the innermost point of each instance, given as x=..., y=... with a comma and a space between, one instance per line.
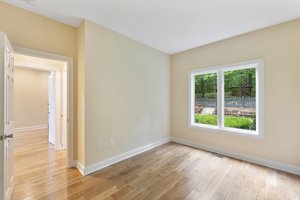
x=231, y=131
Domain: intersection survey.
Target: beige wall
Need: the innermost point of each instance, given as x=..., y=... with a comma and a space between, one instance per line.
x=31, y=97
x=81, y=94
x=279, y=46
x=127, y=94
x=26, y=29
x=29, y=30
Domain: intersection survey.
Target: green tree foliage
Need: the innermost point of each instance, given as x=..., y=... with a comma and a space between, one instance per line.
x=240, y=82
x=206, y=85
x=246, y=123
x=237, y=83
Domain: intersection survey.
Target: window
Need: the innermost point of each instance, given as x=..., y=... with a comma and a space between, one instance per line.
x=228, y=98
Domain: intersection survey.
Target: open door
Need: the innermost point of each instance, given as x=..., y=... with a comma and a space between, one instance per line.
x=51, y=109
x=6, y=117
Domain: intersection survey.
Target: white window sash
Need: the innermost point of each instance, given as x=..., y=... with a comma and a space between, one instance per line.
x=258, y=65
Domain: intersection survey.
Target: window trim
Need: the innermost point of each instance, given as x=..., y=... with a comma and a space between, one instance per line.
x=259, y=65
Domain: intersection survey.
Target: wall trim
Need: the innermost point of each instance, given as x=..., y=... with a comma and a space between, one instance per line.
x=110, y=161
x=252, y=159
x=80, y=167
x=30, y=128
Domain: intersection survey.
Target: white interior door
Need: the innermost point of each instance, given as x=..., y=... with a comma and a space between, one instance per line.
x=6, y=118
x=64, y=105
x=52, y=109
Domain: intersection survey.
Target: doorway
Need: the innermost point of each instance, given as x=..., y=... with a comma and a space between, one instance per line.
x=41, y=154
x=57, y=108
x=37, y=89
x=60, y=89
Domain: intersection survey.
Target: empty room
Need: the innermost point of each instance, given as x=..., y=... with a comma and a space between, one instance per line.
x=150, y=100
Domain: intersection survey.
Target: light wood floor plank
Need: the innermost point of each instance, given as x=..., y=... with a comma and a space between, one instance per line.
x=170, y=171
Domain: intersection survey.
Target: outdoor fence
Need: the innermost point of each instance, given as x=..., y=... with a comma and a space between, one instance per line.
x=235, y=102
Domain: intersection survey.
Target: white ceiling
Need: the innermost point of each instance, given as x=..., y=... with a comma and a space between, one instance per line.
x=170, y=25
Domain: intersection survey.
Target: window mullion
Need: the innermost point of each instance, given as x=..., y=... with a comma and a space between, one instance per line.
x=220, y=102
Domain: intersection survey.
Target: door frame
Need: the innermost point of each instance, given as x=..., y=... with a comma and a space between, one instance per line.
x=70, y=88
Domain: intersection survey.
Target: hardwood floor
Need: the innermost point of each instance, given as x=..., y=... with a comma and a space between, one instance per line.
x=171, y=171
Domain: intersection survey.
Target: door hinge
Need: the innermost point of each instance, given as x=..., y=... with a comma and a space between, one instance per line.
x=3, y=137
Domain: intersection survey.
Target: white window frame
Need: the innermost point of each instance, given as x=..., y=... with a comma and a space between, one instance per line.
x=220, y=128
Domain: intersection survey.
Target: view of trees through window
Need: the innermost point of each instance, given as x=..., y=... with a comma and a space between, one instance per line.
x=239, y=99
x=206, y=99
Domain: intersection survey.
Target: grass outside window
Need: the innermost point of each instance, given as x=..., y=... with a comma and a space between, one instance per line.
x=246, y=123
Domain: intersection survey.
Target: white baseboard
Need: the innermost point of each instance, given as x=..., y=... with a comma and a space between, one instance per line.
x=251, y=159
x=110, y=161
x=30, y=128
x=80, y=167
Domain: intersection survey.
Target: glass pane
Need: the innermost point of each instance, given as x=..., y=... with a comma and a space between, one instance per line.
x=206, y=99
x=240, y=99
